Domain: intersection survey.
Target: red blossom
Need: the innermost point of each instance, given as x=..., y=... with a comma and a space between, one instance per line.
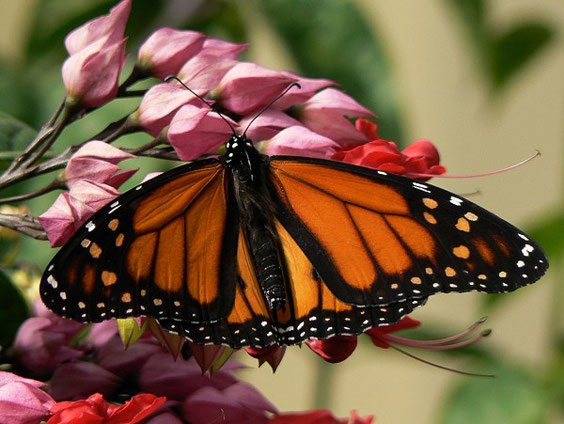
x=96, y=410
x=419, y=160
x=378, y=334
x=334, y=349
x=272, y=354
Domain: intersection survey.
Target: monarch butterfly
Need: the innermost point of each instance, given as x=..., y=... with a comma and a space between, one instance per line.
x=251, y=250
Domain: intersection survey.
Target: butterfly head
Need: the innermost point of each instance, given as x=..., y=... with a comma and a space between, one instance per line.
x=236, y=147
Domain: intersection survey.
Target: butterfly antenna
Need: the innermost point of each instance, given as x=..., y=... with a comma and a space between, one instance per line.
x=442, y=367
x=294, y=84
x=210, y=105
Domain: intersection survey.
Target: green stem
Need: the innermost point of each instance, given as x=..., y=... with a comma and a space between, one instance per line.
x=325, y=380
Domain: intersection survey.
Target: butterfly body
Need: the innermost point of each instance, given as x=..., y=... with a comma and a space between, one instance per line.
x=250, y=250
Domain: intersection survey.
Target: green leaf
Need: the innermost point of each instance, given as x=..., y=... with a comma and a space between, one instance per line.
x=223, y=358
x=13, y=310
x=513, y=396
x=334, y=41
x=472, y=13
x=130, y=331
x=14, y=134
x=512, y=51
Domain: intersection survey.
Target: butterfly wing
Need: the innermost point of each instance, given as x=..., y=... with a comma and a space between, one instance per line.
x=164, y=249
x=377, y=239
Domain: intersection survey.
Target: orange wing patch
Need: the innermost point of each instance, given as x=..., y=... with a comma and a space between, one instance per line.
x=249, y=302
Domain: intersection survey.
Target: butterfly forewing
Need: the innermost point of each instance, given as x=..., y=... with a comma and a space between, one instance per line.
x=376, y=238
x=154, y=251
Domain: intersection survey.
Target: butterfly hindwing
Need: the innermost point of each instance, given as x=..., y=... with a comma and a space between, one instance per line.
x=388, y=238
x=131, y=257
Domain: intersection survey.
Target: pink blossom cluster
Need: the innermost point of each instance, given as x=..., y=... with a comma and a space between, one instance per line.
x=85, y=367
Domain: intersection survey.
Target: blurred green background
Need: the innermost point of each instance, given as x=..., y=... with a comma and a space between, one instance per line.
x=482, y=79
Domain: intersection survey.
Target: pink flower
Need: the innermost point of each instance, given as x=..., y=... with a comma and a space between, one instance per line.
x=42, y=343
x=109, y=27
x=167, y=49
x=222, y=48
x=97, y=56
x=299, y=141
x=334, y=349
x=248, y=87
x=97, y=161
x=91, y=75
x=159, y=105
x=122, y=362
x=72, y=209
x=272, y=354
x=96, y=410
x=75, y=380
x=204, y=71
x=197, y=130
x=325, y=114
x=164, y=376
x=308, y=88
x=418, y=160
x=267, y=125
x=319, y=416
x=238, y=403
x=22, y=401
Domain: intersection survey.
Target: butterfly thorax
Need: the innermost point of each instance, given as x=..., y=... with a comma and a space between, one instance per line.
x=256, y=213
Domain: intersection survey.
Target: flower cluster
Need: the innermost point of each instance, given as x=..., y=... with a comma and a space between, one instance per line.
x=88, y=369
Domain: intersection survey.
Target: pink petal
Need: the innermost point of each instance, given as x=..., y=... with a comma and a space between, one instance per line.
x=167, y=49
x=113, y=357
x=267, y=125
x=91, y=194
x=299, y=141
x=195, y=131
x=23, y=403
x=222, y=48
x=334, y=125
x=8, y=377
x=309, y=86
x=100, y=150
x=250, y=397
x=109, y=27
x=335, y=100
x=203, y=72
x=59, y=221
x=91, y=75
x=76, y=380
x=247, y=87
x=159, y=105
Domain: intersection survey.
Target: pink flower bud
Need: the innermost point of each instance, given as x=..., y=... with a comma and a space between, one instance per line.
x=196, y=130
x=241, y=402
x=91, y=75
x=334, y=349
x=325, y=114
x=203, y=72
x=97, y=161
x=159, y=105
x=72, y=209
x=123, y=362
x=299, y=141
x=76, y=380
x=167, y=49
x=222, y=48
x=308, y=88
x=42, y=343
x=248, y=87
x=108, y=27
x=267, y=125
x=22, y=401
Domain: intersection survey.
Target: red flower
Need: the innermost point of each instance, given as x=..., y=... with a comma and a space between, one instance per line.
x=419, y=160
x=334, y=349
x=319, y=416
x=379, y=335
x=96, y=410
x=272, y=354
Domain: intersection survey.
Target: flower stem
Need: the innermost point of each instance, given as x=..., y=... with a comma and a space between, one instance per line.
x=53, y=185
x=24, y=224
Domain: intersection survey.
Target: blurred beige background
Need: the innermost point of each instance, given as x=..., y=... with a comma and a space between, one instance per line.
x=444, y=99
